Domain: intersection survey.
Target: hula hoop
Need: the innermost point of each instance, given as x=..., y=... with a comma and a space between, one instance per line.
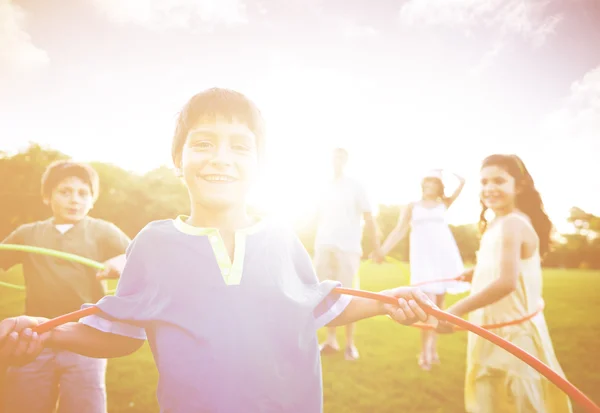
x=13, y=286
x=52, y=253
x=441, y=280
x=518, y=321
x=563, y=384
x=99, y=266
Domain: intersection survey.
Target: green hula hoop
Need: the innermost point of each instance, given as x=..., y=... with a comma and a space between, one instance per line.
x=50, y=252
x=79, y=259
x=12, y=286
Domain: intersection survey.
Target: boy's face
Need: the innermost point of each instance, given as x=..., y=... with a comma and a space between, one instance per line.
x=219, y=162
x=70, y=201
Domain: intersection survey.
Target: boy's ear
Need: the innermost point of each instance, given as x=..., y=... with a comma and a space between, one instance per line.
x=46, y=201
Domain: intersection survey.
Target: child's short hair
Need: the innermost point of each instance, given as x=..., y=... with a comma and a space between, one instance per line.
x=59, y=170
x=212, y=103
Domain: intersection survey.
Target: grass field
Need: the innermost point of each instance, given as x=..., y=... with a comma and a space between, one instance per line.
x=386, y=378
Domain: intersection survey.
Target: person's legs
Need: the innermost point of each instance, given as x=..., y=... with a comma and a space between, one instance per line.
x=82, y=383
x=33, y=387
x=435, y=358
x=427, y=342
x=424, y=355
x=324, y=266
x=347, y=267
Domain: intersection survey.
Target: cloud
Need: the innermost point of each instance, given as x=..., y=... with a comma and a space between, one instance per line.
x=178, y=14
x=17, y=52
x=569, y=144
x=353, y=30
x=524, y=17
x=505, y=19
x=578, y=120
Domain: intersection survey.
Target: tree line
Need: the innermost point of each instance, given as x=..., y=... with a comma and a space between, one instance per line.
x=132, y=200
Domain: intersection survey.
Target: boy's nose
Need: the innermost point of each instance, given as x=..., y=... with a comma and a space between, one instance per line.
x=222, y=156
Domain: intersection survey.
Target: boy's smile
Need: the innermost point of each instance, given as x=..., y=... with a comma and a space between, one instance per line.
x=223, y=179
x=219, y=162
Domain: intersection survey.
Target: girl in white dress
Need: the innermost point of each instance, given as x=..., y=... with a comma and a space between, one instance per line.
x=434, y=254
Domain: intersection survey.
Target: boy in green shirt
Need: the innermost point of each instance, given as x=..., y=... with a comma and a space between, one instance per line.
x=55, y=287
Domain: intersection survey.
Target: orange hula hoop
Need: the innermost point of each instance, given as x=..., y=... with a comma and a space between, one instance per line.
x=573, y=392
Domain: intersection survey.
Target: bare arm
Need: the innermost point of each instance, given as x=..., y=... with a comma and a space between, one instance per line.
x=468, y=275
x=399, y=232
x=9, y=259
x=408, y=310
x=358, y=309
x=113, y=268
x=19, y=346
x=372, y=230
x=450, y=200
x=506, y=283
x=87, y=341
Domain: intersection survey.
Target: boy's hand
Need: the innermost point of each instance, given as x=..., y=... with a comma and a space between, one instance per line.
x=19, y=345
x=411, y=302
x=112, y=268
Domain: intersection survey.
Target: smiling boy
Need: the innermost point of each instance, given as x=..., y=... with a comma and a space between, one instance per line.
x=229, y=303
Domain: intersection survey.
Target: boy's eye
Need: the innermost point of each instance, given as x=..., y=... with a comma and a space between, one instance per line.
x=202, y=145
x=240, y=147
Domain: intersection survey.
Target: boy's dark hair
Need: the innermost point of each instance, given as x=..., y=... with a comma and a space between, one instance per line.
x=59, y=170
x=212, y=103
x=528, y=200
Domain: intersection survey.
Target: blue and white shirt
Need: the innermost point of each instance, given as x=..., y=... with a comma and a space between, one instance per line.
x=227, y=335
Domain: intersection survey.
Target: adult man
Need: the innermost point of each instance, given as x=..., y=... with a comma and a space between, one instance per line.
x=338, y=241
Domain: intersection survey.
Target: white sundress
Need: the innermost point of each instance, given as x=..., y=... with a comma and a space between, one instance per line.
x=434, y=254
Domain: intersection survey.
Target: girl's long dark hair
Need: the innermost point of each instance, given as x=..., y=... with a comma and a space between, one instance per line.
x=528, y=199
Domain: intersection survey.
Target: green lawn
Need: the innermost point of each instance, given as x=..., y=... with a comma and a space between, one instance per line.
x=386, y=378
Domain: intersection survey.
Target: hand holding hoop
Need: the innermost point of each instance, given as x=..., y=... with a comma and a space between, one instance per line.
x=440, y=315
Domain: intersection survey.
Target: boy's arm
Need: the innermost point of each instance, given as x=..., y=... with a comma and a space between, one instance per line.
x=19, y=346
x=334, y=309
x=408, y=310
x=115, y=243
x=88, y=341
x=9, y=259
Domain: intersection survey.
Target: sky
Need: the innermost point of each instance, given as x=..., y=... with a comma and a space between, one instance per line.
x=405, y=86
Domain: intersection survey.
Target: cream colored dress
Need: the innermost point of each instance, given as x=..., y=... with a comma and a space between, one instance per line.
x=497, y=381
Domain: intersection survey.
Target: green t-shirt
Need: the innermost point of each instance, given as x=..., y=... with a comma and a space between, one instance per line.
x=55, y=286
